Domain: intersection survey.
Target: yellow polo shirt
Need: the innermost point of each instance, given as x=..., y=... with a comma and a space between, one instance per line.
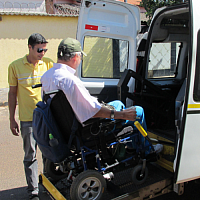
x=23, y=75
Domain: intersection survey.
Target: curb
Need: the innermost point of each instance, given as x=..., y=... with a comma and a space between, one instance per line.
x=3, y=104
x=4, y=96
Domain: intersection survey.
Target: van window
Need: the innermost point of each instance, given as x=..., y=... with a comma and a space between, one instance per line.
x=106, y=57
x=196, y=92
x=163, y=60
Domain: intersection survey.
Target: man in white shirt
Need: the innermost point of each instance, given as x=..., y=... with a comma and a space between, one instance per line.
x=61, y=76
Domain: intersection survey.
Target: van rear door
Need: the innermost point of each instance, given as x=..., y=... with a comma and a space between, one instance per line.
x=188, y=154
x=107, y=31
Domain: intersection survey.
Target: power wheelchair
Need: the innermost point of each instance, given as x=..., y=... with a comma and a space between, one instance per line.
x=98, y=150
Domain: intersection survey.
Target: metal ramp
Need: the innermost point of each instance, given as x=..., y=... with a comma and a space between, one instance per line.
x=159, y=182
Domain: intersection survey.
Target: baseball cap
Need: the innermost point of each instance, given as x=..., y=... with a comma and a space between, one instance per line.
x=70, y=45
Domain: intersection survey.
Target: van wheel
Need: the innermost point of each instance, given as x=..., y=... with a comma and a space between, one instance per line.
x=53, y=171
x=137, y=178
x=89, y=184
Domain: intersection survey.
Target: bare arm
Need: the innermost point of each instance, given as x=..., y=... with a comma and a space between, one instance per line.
x=128, y=114
x=12, y=101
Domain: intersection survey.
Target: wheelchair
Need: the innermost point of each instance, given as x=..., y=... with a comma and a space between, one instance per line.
x=98, y=149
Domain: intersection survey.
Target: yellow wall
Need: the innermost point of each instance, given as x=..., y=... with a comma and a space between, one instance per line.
x=15, y=30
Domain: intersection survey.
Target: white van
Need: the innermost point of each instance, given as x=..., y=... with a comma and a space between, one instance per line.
x=166, y=84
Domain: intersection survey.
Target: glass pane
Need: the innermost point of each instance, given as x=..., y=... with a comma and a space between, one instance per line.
x=106, y=57
x=163, y=60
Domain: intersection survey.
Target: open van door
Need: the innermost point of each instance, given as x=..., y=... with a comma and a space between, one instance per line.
x=107, y=31
x=172, y=69
x=188, y=155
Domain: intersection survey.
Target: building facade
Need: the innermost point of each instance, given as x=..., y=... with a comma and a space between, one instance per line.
x=54, y=19
x=18, y=20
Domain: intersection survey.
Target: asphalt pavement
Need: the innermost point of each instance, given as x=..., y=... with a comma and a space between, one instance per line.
x=12, y=177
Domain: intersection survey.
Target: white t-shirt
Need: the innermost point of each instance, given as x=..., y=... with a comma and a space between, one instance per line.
x=62, y=77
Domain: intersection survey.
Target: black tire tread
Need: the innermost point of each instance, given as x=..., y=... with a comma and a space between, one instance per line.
x=54, y=175
x=81, y=177
x=135, y=172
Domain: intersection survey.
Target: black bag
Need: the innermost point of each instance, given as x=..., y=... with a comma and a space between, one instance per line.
x=46, y=132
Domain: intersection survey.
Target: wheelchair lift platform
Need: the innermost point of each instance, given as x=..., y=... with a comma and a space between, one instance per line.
x=159, y=182
x=52, y=190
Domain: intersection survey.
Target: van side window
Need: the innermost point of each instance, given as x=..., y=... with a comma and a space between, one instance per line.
x=106, y=57
x=163, y=60
x=196, y=92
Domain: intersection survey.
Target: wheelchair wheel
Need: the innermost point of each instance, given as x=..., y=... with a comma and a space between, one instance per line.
x=53, y=171
x=89, y=184
x=137, y=178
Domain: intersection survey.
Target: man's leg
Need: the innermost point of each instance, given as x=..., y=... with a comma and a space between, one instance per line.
x=30, y=161
x=140, y=118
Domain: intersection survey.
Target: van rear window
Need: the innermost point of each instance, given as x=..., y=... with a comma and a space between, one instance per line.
x=106, y=57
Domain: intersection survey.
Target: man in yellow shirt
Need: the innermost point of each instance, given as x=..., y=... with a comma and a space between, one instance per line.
x=22, y=74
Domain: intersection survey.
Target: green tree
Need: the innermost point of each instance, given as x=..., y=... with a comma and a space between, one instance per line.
x=151, y=5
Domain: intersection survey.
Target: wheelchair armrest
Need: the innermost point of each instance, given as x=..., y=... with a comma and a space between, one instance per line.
x=96, y=126
x=103, y=120
x=36, y=86
x=91, y=121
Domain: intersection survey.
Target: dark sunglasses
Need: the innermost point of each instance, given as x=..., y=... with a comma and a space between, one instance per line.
x=40, y=50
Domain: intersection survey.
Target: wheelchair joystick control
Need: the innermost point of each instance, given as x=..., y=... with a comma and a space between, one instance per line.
x=53, y=142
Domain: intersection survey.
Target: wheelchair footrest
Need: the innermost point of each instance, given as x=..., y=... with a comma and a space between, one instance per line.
x=125, y=130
